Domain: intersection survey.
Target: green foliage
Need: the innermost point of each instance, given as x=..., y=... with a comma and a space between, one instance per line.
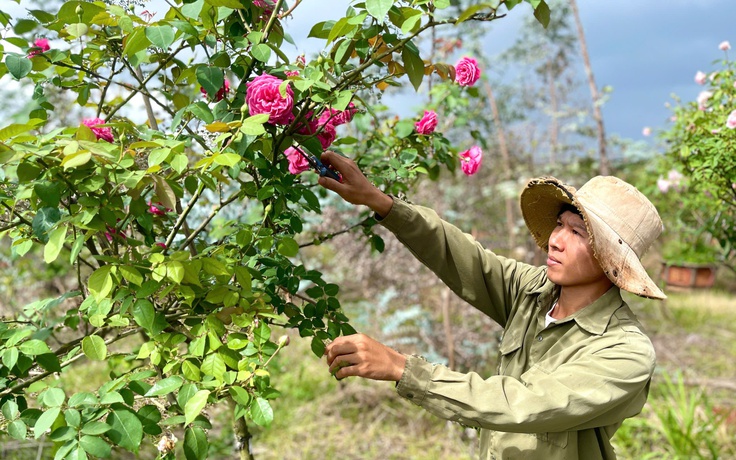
x=177, y=296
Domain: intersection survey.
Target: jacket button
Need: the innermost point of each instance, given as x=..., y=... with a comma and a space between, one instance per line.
x=410, y=395
x=539, y=337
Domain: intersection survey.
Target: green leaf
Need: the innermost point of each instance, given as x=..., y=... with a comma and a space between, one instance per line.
x=262, y=52
x=135, y=42
x=210, y=78
x=56, y=243
x=18, y=66
x=253, y=126
x=18, y=430
x=213, y=365
x=95, y=428
x=100, y=282
x=318, y=347
x=147, y=317
x=240, y=396
x=127, y=430
x=227, y=159
x=200, y=110
x=261, y=412
x=43, y=221
x=194, y=406
x=195, y=443
x=234, y=4
x=76, y=159
x=45, y=421
x=53, y=397
x=288, y=247
x=542, y=13
x=49, y=193
x=84, y=398
x=414, y=66
x=175, y=271
x=378, y=8
x=34, y=347
x=94, y=348
x=165, y=386
x=190, y=371
x=161, y=36
x=10, y=410
x=49, y=361
x=95, y=446
x=131, y=274
x=76, y=248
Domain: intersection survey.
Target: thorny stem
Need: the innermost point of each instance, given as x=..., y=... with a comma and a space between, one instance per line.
x=329, y=236
x=185, y=212
x=211, y=216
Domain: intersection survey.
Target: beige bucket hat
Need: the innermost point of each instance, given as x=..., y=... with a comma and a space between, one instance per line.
x=621, y=221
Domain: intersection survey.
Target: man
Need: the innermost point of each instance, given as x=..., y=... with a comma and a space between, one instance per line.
x=574, y=362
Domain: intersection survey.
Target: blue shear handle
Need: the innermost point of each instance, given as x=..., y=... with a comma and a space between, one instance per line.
x=325, y=171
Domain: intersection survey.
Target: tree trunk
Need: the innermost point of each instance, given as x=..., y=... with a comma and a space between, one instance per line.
x=506, y=160
x=553, y=127
x=242, y=436
x=597, y=115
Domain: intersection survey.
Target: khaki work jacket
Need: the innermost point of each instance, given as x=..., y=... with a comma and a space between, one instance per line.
x=561, y=391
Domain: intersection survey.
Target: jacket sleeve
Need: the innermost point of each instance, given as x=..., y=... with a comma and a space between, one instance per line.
x=599, y=389
x=489, y=282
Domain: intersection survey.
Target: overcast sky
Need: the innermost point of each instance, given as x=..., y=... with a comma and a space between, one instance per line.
x=645, y=49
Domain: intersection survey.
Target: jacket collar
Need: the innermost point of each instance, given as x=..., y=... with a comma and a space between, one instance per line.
x=594, y=318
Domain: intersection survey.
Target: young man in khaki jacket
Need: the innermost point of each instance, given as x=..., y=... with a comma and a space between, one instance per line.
x=574, y=362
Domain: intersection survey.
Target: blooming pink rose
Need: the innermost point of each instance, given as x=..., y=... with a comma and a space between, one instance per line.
x=674, y=176
x=326, y=134
x=297, y=162
x=428, y=123
x=101, y=132
x=700, y=77
x=470, y=160
x=663, y=185
x=40, y=45
x=157, y=209
x=338, y=117
x=731, y=120
x=221, y=93
x=647, y=131
x=263, y=96
x=467, y=71
x=724, y=46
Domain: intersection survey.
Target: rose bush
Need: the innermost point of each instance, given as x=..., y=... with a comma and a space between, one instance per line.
x=174, y=290
x=698, y=171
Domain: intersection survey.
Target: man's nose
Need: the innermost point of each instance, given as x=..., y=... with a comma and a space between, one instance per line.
x=556, y=240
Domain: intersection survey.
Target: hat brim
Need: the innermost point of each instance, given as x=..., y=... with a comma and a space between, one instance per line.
x=541, y=202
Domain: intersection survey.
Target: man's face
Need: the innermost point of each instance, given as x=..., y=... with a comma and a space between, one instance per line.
x=570, y=259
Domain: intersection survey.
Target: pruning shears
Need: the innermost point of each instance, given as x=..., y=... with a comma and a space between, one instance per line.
x=322, y=170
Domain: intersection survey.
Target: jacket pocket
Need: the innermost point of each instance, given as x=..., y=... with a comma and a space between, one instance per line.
x=510, y=344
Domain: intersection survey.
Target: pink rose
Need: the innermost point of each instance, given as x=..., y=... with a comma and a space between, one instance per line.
x=292, y=73
x=467, y=71
x=301, y=61
x=221, y=93
x=338, y=117
x=326, y=134
x=647, y=131
x=265, y=5
x=157, y=209
x=470, y=160
x=700, y=77
x=724, y=46
x=731, y=120
x=309, y=126
x=263, y=96
x=703, y=99
x=428, y=123
x=297, y=162
x=161, y=245
x=40, y=45
x=663, y=185
x=100, y=132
